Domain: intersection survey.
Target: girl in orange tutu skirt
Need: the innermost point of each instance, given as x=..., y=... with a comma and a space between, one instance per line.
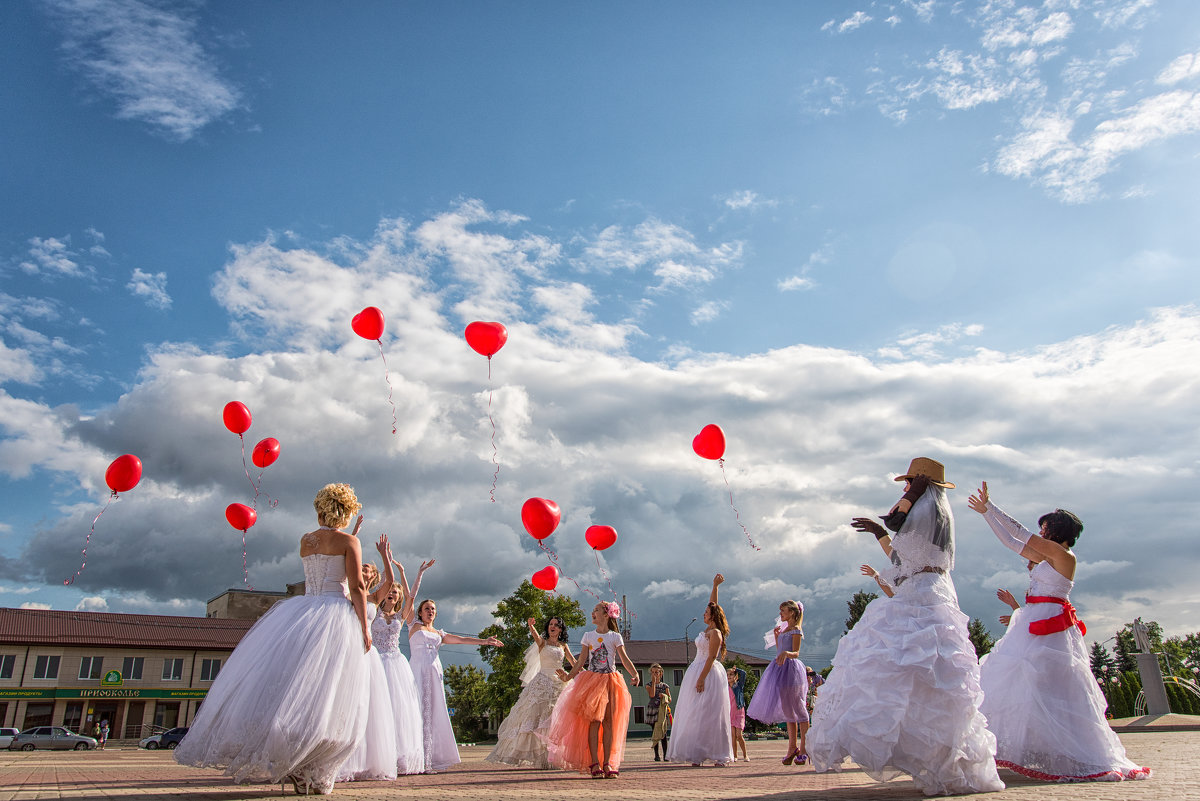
x=587, y=729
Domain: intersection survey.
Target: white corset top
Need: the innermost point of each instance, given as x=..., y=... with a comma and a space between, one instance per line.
x=550, y=660
x=386, y=636
x=325, y=574
x=1045, y=580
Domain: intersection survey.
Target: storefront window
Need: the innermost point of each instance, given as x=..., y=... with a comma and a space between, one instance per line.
x=38, y=714
x=166, y=714
x=73, y=718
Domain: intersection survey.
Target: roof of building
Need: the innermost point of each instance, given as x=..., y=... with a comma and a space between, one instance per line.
x=673, y=652
x=48, y=626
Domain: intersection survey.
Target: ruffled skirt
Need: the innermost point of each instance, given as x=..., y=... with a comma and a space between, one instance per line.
x=406, y=710
x=702, y=729
x=521, y=739
x=781, y=695
x=1043, y=705
x=585, y=700
x=904, y=696
x=291, y=700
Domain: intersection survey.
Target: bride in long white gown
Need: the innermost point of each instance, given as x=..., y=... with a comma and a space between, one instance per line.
x=291, y=701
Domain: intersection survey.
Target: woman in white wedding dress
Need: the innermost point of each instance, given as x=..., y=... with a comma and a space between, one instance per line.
x=521, y=739
x=1039, y=694
x=904, y=696
x=702, y=730
x=424, y=642
x=291, y=702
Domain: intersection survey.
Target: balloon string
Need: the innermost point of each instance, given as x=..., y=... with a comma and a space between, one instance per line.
x=86, y=542
x=554, y=560
x=245, y=566
x=388, y=379
x=245, y=468
x=272, y=502
x=736, y=514
x=496, y=475
x=604, y=573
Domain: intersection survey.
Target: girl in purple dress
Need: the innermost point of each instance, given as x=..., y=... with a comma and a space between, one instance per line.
x=783, y=689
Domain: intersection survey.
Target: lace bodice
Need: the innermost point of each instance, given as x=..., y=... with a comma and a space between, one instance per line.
x=1045, y=580
x=927, y=537
x=386, y=636
x=325, y=574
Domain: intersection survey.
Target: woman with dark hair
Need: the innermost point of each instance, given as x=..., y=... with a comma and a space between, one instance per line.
x=522, y=736
x=903, y=696
x=702, y=729
x=1040, y=697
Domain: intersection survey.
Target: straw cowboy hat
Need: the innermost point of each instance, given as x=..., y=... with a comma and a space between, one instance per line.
x=932, y=470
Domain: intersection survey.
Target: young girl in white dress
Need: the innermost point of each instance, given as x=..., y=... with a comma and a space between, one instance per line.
x=522, y=736
x=1040, y=697
x=904, y=696
x=291, y=702
x=587, y=729
x=702, y=729
x=424, y=641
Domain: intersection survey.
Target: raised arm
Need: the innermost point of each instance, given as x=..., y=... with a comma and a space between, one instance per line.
x=871, y=527
x=410, y=609
x=389, y=576
x=1020, y=540
x=867, y=570
x=462, y=639
x=536, y=637
x=712, y=596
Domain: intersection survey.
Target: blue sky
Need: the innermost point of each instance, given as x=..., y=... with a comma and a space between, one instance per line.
x=848, y=234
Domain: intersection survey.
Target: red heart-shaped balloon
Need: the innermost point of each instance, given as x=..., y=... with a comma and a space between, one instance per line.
x=265, y=452
x=368, y=323
x=710, y=442
x=486, y=338
x=600, y=537
x=240, y=516
x=540, y=517
x=124, y=473
x=546, y=578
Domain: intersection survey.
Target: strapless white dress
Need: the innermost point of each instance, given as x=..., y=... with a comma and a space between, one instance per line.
x=521, y=739
x=406, y=707
x=375, y=757
x=441, y=749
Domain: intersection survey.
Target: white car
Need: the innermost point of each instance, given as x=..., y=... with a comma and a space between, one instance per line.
x=6, y=736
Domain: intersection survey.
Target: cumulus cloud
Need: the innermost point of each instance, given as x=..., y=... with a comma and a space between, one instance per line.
x=53, y=257
x=815, y=436
x=148, y=59
x=151, y=286
x=92, y=603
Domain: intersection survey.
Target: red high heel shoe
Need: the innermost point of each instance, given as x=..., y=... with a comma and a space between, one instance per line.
x=795, y=752
x=595, y=770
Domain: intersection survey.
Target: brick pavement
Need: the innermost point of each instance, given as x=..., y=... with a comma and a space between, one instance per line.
x=130, y=773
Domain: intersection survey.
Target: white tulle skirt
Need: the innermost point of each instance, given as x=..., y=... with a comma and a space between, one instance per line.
x=1045, y=708
x=521, y=739
x=375, y=757
x=406, y=710
x=904, y=696
x=702, y=730
x=291, y=699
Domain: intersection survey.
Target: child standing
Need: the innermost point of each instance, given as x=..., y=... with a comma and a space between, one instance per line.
x=782, y=693
x=658, y=709
x=587, y=729
x=737, y=710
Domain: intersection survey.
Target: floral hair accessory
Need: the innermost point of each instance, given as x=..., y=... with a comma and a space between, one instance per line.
x=613, y=609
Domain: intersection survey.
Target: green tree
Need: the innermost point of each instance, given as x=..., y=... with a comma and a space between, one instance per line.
x=466, y=697
x=858, y=605
x=506, y=663
x=1102, y=663
x=980, y=637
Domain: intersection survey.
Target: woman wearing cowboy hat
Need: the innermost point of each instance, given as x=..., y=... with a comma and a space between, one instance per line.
x=904, y=696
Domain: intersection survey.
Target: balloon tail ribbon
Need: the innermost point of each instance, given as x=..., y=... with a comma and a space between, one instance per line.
x=561, y=574
x=387, y=378
x=604, y=573
x=737, y=516
x=245, y=467
x=496, y=475
x=88, y=541
x=271, y=502
x=245, y=566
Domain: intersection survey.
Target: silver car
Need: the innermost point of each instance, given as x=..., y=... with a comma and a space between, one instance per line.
x=51, y=737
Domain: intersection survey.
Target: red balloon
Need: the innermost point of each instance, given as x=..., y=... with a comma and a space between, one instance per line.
x=540, y=517
x=124, y=473
x=546, y=578
x=486, y=338
x=710, y=442
x=368, y=323
x=265, y=452
x=237, y=417
x=240, y=516
x=600, y=537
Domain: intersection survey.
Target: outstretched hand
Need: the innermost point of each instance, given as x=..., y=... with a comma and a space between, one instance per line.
x=979, y=501
x=426, y=565
x=869, y=526
x=718, y=579
x=867, y=570
x=384, y=547
x=357, y=525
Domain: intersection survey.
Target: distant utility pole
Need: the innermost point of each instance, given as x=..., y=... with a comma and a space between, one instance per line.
x=626, y=622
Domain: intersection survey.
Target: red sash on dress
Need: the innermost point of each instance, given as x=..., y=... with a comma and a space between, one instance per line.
x=1053, y=625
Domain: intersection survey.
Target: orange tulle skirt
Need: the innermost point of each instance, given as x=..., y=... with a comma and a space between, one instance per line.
x=586, y=700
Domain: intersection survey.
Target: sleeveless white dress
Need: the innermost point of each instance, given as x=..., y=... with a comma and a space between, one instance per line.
x=702, y=730
x=521, y=738
x=904, y=693
x=292, y=698
x=375, y=757
x=1042, y=702
x=441, y=749
x=402, y=687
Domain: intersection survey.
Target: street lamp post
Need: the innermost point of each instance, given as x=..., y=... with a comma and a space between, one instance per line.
x=687, y=643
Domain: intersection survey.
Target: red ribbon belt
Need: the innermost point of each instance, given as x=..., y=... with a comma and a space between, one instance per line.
x=1053, y=625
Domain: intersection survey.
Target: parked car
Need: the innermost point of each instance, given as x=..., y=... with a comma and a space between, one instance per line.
x=50, y=737
x=7, y=735
x=167, y=739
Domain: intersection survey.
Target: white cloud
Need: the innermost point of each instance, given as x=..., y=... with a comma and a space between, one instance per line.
x=92, y=603
x=151, y=286
x=53, y=257
x=708, y=311
x=1185, y=67
x=854, y=22
x=34, y=605
x=148, y=60
x=669, y=588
